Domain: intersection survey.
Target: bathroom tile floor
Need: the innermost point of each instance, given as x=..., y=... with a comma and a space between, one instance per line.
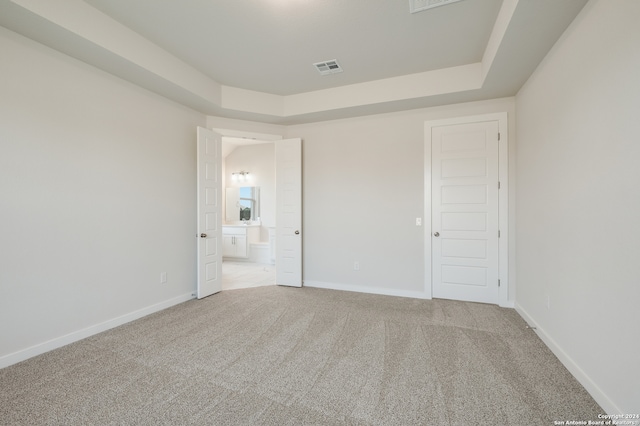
x=236, y=275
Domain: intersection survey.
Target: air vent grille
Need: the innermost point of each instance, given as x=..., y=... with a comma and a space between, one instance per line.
x=420, y=5
x=328, y=67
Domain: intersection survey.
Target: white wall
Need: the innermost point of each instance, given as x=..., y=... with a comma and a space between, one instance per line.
x=363, y=188
x=578, y=201
x=97, y=184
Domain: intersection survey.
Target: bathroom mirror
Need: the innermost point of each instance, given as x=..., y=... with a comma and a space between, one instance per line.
x=242, y=203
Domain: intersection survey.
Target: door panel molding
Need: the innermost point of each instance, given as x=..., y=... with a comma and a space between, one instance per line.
x=503, y=196
x=289, y=212
x=209, y=209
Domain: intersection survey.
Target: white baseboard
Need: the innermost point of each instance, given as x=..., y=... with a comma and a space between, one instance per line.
x=508, y=304
x=24, y=354
x=596, y=393
x=366, y=289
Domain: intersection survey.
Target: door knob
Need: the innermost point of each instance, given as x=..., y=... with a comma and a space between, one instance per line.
x=297, y=232
x=203, y=235
x=436, y=234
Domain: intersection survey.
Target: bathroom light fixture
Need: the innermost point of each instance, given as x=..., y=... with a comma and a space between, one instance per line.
x=240, y=176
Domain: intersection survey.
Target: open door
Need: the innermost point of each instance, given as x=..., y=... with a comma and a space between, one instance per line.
x=289, y=212
x=209, y=213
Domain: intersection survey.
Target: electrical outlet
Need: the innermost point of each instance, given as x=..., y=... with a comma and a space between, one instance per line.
x=418, y=221
x=356, y=266
x=163, y=277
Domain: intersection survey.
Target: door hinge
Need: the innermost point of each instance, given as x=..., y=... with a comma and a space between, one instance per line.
x=498, y=283
x=498, y=136
x=498, y=234
x=498, y=184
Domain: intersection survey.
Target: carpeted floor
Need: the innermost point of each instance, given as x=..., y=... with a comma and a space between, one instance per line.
x=284, y=356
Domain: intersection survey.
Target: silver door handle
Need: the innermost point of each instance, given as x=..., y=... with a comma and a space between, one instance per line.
x=203, y=235
x=436, y=234
x=297, y=232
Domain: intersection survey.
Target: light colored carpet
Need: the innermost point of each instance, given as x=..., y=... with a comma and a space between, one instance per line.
x=285, y=356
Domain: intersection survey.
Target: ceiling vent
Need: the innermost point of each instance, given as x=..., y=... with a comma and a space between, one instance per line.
x=420, y=5
x=328, y=67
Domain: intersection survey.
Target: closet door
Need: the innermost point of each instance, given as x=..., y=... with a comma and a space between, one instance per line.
x=465, y=229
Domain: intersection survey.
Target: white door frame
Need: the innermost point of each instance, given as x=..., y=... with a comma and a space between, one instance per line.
x=248, y=135
x=503, y=200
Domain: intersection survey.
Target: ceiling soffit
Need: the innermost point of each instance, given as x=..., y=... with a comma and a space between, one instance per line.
x=76, y=28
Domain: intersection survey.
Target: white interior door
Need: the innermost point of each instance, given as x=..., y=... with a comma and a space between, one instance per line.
x=209, y=213
x=464, y=196
x=289, y=212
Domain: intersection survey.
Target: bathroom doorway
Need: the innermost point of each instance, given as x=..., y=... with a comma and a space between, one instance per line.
x=249, y=212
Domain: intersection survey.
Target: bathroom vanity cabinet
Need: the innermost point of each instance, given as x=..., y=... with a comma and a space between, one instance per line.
x=236, y=240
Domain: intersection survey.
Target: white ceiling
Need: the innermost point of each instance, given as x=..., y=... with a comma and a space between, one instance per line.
x=252, y=59
x=270, y=45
